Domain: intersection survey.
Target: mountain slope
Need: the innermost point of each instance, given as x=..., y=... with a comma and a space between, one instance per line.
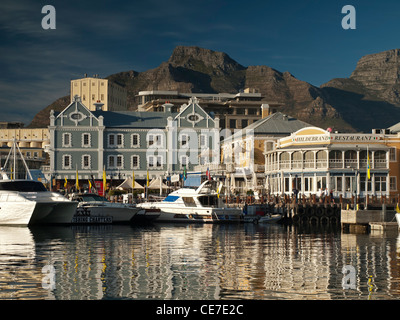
x=339, y=103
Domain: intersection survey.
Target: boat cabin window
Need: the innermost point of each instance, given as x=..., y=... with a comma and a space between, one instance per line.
x=90, y=198
x=189, y=201
x=171, y=198
x=209, y=201
x=22, y=186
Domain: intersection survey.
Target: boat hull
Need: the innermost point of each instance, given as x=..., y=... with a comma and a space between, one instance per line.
x=25, y=213
x=118, y=214
x=200, y=215
x=53, y=212
x=16, y=212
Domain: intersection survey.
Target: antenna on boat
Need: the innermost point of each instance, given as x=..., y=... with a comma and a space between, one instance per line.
x=13, y=151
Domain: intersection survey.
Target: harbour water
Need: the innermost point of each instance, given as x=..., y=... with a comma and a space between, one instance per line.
x=187, y=261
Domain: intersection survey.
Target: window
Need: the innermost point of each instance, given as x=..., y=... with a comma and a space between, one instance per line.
x=66, y=161
x=66, y=140
x=392, y=154
x=184, y=161
x=245, y=123
x=111, y=162
x=393, y=183
x=86, y=161
x=135, y=162
x=86, y=140
x=184, y=140
x=203, y=140
x=156, y=139
x=119, y=161
x=135, y=140
x=380, y=184
x=111, y=140
x=116, y=162
x=232, y=123
x=155, y=162
x=116, y=140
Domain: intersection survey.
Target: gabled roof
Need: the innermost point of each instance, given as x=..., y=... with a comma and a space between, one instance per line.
x=276, y=124
x=134, y=119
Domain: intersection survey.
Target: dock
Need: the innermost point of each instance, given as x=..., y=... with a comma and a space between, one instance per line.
x=363, y=221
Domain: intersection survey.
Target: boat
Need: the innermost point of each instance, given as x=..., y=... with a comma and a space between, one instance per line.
x=195, y=205
x=28, y=202
x=259, y=213
x=98, y=209
x=270, y=218
x=398, y=218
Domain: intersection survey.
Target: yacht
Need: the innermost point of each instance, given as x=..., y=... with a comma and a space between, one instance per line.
x=98, y=208
x=194, y=205
x=27, y=202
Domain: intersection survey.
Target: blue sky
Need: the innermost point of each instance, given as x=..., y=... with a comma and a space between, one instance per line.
x=106, y=37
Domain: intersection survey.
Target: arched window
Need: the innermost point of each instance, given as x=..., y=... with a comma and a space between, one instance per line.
x=297, y=159
x=379, y=159
x=350, y=159
x=335, y=159
x=322, y=159
x=309, y=159
x=284, y=160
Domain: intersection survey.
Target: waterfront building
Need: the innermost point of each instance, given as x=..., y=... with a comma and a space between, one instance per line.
x=160, y=143
x=312, y=159
x=33, y=144
x=236, y=111
x=94, y=90
x=243, y=152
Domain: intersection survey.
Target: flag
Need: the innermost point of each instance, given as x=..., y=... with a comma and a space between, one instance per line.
x=219, y=189
x=104, y=180
x=133, y=179
x=90, y=186
x=65, y=183
x=184, y=173
x=208, y=174
x=397, y=208
x=77, y=179
x=147, y=179
x=368, y=166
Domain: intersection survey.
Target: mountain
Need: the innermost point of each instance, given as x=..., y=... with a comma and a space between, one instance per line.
x=338, y=103
x=370, y=97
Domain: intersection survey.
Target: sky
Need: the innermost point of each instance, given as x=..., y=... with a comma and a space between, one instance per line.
x=304, y=37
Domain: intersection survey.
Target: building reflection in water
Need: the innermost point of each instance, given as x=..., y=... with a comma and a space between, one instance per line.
x=167, y=261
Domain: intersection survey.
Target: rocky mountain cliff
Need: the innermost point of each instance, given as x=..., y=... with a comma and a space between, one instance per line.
x=359, y=103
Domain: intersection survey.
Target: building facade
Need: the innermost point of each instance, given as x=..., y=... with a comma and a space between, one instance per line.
x=160, y=143
x=312, y=159
x=235, y=111
x=243, y=152
x=96, y=90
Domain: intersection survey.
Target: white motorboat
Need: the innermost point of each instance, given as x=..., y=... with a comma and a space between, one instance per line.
x=398, y=218
x=27, y=202
x=194, y=205
x=93, y=205
x=270, y=218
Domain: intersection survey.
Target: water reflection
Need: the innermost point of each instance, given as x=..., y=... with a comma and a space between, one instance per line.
x=165, y=261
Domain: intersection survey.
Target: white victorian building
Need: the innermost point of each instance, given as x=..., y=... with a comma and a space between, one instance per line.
x=312, y=159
